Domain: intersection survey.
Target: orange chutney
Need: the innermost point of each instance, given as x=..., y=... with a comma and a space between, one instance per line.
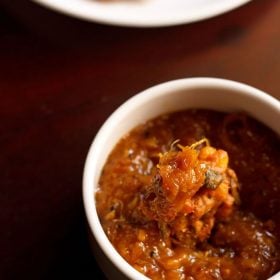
x=175, y=207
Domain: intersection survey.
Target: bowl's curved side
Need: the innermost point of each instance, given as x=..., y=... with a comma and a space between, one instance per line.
x=139, y=14
x=204, y=93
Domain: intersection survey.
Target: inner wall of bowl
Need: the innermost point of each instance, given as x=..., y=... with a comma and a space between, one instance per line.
x=212, y=94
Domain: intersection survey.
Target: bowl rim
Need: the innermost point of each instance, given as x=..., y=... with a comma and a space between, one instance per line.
x=91, y=159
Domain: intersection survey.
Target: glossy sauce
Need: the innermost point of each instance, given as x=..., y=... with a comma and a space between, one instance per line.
x=244, y=246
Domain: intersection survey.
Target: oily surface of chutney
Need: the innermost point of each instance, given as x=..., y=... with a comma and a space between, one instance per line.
x=237, y=238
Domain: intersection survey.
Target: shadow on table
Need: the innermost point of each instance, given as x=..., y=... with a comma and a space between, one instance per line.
x=74, y=259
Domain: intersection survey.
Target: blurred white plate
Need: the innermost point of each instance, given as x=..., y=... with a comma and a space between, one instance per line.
x=143, y=13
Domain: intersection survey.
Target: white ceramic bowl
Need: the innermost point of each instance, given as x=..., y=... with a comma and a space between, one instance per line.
x=143, y=13
x=208, y=93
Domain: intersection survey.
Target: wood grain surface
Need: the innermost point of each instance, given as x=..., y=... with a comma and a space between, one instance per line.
x=60, y=78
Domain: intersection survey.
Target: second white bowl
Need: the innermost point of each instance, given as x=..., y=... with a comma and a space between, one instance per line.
x=204, y=93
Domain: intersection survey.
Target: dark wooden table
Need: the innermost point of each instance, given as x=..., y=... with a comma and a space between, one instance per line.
x=60, y=78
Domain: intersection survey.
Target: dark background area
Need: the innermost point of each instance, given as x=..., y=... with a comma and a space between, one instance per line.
x=60, y=78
